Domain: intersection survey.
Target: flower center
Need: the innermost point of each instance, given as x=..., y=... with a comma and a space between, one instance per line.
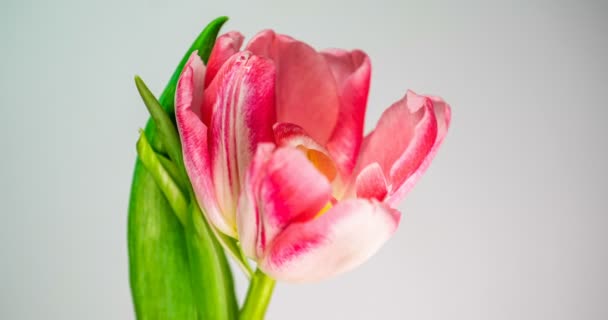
x=325, y=165
x=321, y=161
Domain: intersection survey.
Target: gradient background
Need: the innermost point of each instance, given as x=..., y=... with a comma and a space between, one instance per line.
x=509, y=222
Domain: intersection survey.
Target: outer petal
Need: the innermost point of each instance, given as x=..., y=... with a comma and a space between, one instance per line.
x=341, y=239
x=402, y=140
x=306, y=90
x=248, y=213
x=352, y=71
x=443, y=116
x=193, y=133
x=243, y=118
x=225, y=47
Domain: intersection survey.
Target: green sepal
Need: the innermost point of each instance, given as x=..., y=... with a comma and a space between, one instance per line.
x=159, y=263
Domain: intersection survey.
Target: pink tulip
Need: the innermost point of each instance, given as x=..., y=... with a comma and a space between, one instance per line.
x=273, y=144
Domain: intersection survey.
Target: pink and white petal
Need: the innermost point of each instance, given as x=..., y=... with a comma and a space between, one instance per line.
x=243, y=118
x=189, y=91
x=193, y=134
x=248, y=215
x=225, y=47
x=306, y=90
x=214, y=88
x=371, y=183
x=443, y=116
x=291, y=190
x=352, y=71
x=403, y=138
x=336, y=242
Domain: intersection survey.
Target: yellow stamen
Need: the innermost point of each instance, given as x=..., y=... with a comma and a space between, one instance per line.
x=325, y=209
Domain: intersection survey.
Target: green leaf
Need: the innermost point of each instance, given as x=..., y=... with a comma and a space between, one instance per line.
x=173, y=172
x=158, y=260
x=159, y=263
x=203, y=43
x=167, y=132
x=211, y=277
x=231, y=245
x=163, y=179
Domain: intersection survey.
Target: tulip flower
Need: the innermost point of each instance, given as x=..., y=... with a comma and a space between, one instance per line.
x=273, y=144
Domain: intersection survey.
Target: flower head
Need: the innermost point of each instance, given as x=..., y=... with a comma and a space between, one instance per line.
x=273, y=144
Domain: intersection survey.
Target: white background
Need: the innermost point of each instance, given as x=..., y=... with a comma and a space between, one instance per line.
x=509, y=222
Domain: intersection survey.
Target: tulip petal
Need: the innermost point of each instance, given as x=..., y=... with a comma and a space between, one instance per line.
x=352, y=71
x=292, y=190
x=193, y=134
x=243, y=117
x=341, y=239
x=443, y=115
x=292, y=135
x=248, y=215
x=371, y=183
x=402, y=140
x=225, y=47
x=306, y=90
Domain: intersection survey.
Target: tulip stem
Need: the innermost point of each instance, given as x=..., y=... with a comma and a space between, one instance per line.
x=258, y=297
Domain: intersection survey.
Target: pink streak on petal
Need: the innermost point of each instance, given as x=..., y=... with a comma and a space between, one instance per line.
x=292, y=190
x=243, y=118
x=306, y=90
x=336, y=242
x=193, y=134
x=371, y=183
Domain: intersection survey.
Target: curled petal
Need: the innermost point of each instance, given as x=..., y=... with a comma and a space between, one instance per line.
x=443, y=116
x=339, y=240
x=306, y=90
x=402, y=140
x=352, y=71
x=243, y=117
x=193, y=134
x=292, y=135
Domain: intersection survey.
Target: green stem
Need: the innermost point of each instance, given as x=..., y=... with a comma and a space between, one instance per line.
x=258, y=297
